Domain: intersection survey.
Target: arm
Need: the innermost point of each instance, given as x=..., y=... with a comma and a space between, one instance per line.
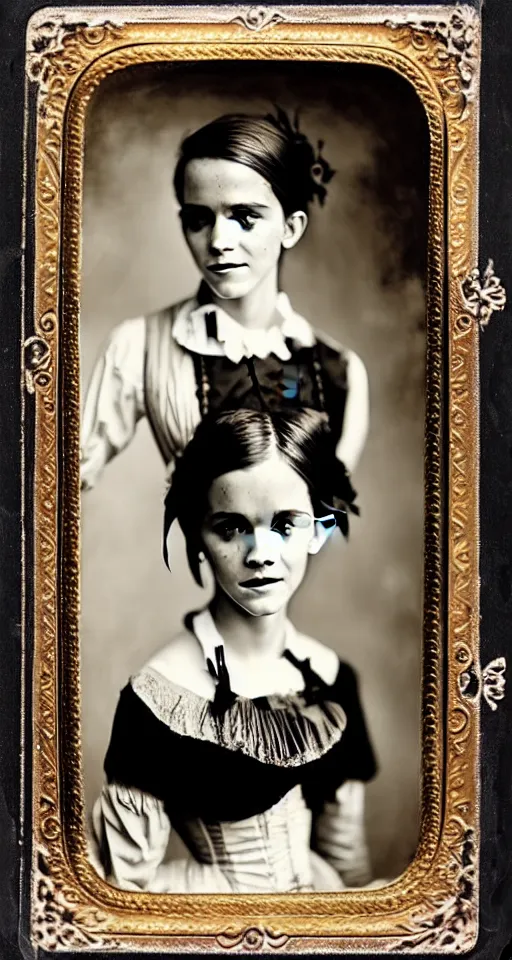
x=129, y=842
x=357, y=413
x=339, y=834
x=338, y=795
x=114, y=402
x=130, y=835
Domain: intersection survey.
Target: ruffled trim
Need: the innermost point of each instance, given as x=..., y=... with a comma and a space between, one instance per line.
x=278, y=730
x=190, y=330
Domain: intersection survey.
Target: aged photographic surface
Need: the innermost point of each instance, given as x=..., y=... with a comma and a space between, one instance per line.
x=251, y=369
x=252, y=340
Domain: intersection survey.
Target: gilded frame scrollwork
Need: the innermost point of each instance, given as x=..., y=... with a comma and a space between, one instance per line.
x=433, y=906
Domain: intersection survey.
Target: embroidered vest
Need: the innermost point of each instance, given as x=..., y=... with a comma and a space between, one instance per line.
x=314, y=377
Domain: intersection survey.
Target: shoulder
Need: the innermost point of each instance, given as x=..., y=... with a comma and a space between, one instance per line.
x=181, y=663
x=128, y=330
x=133, y=329
x=173, y=311
x=324, y=661
x=325, y=340
x=355, y=365
x=356, y=370
x=124, y=345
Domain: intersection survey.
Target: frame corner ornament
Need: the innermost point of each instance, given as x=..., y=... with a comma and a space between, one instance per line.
x=494, y=682
x=59, y=924
x=452, y=923
x=458, y=36
x=257, y=18
x=483, y=295
x=60, y=46
x=43, y=40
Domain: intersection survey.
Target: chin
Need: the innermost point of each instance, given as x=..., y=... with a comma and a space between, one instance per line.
x=230, y=290
x=264, y=607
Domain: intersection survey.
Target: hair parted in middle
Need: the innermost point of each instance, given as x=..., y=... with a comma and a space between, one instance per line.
x=272, y=146
x=242, y=438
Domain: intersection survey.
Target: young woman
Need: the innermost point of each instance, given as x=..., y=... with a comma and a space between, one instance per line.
x=244, y=185
x=245, y=735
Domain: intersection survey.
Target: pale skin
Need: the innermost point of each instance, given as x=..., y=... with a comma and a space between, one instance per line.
x=258, y=533
x=260, y=524
x=236, y=230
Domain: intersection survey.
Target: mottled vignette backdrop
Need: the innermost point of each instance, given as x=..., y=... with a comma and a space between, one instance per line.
x=359, y=275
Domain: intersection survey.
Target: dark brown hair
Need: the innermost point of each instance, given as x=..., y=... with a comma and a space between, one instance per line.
x=242, y=438
x=271, y=146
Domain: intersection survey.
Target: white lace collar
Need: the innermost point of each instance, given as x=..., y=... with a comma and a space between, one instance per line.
x=234, y=341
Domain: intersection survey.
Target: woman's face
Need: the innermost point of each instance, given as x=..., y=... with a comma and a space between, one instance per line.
x=234, y=225
x=257, y=534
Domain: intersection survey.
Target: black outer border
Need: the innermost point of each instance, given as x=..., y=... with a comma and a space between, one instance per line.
x=495, y=230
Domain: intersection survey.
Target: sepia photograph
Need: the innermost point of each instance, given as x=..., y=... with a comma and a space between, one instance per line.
x=253, y=305
x=252, y=448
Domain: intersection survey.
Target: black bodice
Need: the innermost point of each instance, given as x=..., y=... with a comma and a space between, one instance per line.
x=314, y=377
x=198, y=777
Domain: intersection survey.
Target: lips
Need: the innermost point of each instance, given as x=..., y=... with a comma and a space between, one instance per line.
x=224, y=267
x=260, y=582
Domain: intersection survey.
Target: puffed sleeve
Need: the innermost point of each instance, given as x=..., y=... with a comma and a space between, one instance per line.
x=337, y=792
x=114, y=400
x=353, y=758
x=131, y=832
x=339, y=834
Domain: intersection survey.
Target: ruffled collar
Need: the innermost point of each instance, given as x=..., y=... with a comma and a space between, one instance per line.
x=285, y=730
x=192, y=329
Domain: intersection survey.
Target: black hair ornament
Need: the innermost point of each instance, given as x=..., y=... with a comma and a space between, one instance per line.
x=314, y=164
x=343, y=502
x=170, y=514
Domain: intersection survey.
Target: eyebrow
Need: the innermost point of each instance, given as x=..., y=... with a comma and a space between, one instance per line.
x=249, y=206
x=292, y=514
x=225, y=515
x=229, y=206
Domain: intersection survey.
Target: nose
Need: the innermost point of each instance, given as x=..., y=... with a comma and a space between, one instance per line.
x=263, y=548
x=222, y=235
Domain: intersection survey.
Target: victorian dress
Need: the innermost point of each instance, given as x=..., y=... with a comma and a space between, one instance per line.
x=180, y=363
x=266, y=793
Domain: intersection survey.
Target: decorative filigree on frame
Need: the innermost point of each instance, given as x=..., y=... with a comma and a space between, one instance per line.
x=47, y=39
x=458, y=32
x=252, y=939
x=61, y=43
x=57, y=922
x=37, y=363
x=483, y=296
x=449, y=926
x=489, y=683
x=469, y=683
x=494, y=682
x=257, y=18
x=67, y=69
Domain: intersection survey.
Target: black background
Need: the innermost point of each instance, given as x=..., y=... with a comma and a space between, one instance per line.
x=495, y=939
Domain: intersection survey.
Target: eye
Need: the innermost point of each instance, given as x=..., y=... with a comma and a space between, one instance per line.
x=283, y=527
x=229, y=529
x=245, y=217
x=285, y=524
x=195, y=219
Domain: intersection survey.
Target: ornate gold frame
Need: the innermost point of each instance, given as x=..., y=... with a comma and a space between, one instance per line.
x=433, y=907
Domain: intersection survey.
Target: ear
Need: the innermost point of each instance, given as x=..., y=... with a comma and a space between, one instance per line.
x=294, y=228
x=323, y=530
